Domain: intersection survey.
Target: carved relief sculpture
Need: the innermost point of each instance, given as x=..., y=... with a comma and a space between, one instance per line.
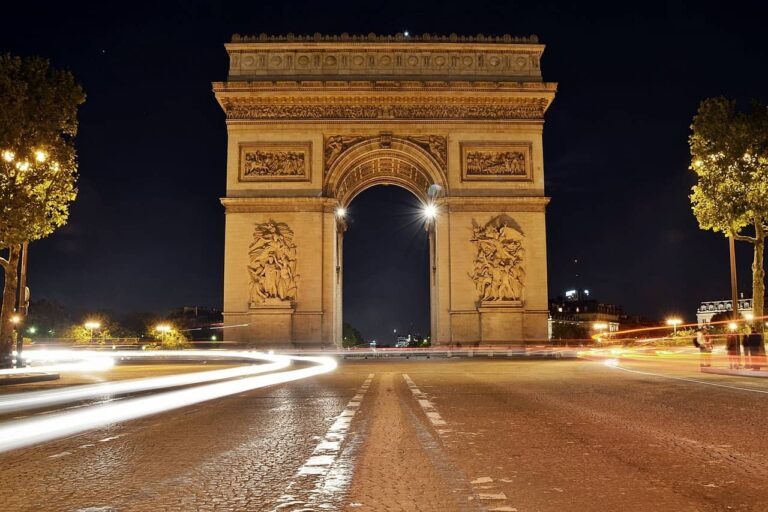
x=275, y=162
x=492, y=161
x=435, y=145
x=336, y=145
x=272, y=266
x=498, y=271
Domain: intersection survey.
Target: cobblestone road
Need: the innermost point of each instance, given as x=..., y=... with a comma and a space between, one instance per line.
x=425, y=435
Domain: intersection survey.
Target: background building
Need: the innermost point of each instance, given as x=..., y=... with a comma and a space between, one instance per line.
x=576, y=315
x=708, y=309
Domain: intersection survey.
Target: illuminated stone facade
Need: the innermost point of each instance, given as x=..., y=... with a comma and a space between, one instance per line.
x=314, y=120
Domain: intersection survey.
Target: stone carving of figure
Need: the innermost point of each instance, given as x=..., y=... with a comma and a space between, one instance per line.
x=272, y=266
x=498, y=267
x=335, y=146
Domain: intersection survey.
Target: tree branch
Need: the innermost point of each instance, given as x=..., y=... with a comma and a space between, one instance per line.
x=5, y=263
x=742, y=238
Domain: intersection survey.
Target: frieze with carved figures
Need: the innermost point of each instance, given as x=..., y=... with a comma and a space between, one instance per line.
x=275, y=161
x=496, y=161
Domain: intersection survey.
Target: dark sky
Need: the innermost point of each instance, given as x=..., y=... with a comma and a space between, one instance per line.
x=146, y=232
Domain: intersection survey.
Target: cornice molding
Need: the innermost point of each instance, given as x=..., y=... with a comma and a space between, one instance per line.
x=385, y=107
x=371, y=37
x=245, y=86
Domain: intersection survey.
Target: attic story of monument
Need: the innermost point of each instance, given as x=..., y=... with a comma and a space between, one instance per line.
x=314, y=120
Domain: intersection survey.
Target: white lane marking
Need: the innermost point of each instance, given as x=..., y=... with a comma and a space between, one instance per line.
x=320, y=464
x=688, y=380
x=59, y=455
x=106, y=439
x=329, y=447
x=427, y=406
x=500, y=496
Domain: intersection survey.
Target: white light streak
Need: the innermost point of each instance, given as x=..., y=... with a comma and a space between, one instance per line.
x=35, y=399
x=30, y=431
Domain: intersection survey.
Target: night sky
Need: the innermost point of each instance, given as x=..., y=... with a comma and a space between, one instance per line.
x=146, y=232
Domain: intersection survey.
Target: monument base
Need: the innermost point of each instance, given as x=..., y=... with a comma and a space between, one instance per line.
x=501, y=322
x=270, y=324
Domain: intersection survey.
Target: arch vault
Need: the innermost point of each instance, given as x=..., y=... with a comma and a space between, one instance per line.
x=313, y=121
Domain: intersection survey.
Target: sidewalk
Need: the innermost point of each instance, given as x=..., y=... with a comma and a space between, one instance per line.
x=27, y=377
x=742, y=372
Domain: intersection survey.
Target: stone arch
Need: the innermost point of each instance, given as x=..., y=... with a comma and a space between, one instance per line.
x=379, y=161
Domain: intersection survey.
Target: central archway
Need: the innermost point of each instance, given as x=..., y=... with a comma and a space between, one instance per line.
x=385, y=286
x=355, y=164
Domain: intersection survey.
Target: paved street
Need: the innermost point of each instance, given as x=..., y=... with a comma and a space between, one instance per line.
x=426, y=435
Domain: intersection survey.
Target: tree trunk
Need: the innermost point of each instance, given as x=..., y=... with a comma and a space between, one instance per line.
x=9, y=305
x=758, y=277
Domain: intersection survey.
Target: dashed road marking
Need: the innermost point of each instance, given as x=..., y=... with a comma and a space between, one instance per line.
x=427, y=406
x=59, y=455
x=480, y=486
x=321, y=463
x=112, y=438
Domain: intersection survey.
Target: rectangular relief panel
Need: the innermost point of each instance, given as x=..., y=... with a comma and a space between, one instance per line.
x=496, y=161
x=275, y=161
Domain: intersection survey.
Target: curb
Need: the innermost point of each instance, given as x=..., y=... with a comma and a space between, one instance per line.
x=24, y=378
x=740, y=373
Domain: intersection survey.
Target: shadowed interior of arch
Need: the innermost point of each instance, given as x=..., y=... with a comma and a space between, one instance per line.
x=386, y=265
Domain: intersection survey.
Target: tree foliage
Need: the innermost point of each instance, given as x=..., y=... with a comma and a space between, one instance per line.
x=37, y=129
x=38, y=167
x=729, y=154
x=351, y=336
x=569, y=331
x=172, y=339
x=81, y=334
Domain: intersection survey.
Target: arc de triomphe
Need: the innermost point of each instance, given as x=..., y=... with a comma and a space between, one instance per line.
x=314, y=120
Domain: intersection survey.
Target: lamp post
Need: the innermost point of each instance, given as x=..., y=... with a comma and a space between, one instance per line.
x=23, y=165
x=92, y=325
x=674, y=322
x=162, y=330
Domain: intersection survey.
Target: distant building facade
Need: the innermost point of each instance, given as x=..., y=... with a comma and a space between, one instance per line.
x=710, y=308
x=576, y=308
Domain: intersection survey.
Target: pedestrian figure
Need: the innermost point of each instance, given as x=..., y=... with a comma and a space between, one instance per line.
x=734, y=351
x=705, y=348
x=752, y=353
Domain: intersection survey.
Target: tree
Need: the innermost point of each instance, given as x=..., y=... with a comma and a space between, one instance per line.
x=79, y=333
x=729, y=154
x=168, y=338
x=569, y=331
x=38, y=167
x=351, y=336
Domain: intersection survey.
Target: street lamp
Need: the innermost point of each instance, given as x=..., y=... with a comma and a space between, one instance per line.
x=341, y=212
x=430, y=211
x=92, y=325
x=674, y=322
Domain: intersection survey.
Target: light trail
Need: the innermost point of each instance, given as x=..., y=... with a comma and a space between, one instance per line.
x=30, y=431
x=616, y=366
x=35, y=399
x=59, y=361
